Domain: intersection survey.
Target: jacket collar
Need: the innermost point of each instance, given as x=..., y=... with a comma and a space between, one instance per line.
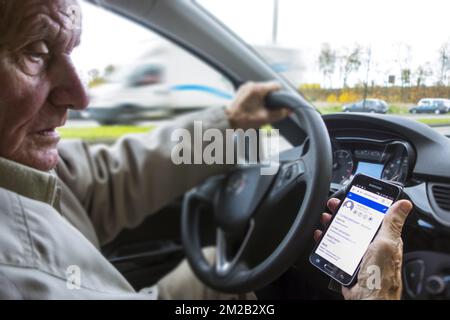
x=29, y=182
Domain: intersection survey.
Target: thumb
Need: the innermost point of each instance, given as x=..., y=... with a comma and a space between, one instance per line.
x=395, y=219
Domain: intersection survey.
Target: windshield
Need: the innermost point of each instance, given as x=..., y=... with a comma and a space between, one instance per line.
x=342, y=52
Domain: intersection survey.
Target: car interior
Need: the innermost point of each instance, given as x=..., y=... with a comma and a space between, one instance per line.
x=324, y=152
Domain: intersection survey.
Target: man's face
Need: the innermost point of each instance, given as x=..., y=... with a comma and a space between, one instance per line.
x=38, y=82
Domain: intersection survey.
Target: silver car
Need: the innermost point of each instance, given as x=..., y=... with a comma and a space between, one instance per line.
x=368, y=105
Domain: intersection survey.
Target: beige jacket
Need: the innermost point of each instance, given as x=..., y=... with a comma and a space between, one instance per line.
x=51, y=223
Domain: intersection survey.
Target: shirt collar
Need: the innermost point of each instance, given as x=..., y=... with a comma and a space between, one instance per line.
x=29, y=182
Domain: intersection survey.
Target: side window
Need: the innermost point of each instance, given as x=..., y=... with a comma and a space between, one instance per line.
x=136, y=78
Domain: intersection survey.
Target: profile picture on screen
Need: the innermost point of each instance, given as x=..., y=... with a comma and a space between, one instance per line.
x=349, y=205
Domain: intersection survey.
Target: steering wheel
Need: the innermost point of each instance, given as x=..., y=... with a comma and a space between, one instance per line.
x=243, y=203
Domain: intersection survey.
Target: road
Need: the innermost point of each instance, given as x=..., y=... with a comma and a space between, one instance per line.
x=88, y=123
x=93, y=124
x=445, y=130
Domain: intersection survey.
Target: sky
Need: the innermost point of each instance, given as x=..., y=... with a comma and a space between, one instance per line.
x=108, y=39
x=384, y=25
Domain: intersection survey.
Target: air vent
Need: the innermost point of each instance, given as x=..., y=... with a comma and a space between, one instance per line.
x=441, y=194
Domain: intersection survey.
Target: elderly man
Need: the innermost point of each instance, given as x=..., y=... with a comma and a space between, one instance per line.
x=60, y=202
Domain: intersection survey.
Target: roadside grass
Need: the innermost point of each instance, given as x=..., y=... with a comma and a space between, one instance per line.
x=393, y=109
x=101, y=132
x=398, y=109
x=329, y=109
x=435, y=121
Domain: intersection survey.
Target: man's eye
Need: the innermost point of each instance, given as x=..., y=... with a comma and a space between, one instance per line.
x=37, y=52
x=36, y=57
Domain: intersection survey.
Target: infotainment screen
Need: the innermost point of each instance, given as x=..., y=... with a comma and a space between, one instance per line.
x=373, y=170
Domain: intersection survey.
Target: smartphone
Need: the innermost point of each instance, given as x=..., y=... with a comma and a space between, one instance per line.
x=354, y=226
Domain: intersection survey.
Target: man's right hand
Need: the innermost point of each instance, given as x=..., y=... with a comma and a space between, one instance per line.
x=247, y=110
x=385, y=252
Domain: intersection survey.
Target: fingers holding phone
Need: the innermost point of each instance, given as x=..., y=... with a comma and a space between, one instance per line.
x=325, y=219
x=342, y=248
x=380, y=276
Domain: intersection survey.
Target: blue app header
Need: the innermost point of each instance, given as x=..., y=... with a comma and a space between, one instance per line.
x=367, y=202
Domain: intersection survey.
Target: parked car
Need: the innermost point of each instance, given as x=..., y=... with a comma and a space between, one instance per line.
x=436, y=106
x=368, y=105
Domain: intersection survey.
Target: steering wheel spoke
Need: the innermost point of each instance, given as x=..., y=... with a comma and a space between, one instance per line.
x=291, y=174
x=224, y=264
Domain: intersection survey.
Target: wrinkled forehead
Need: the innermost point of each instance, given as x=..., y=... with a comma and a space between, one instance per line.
x=28, y=18
x=19, y=8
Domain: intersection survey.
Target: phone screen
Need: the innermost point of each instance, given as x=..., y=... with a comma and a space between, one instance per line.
x=353, y=228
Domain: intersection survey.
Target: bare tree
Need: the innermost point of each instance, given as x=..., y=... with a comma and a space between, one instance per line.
x=444, y=63
x=327, y=62
x=422, y=73
x=367, y=66
x=351, y=62
x=405, y=76
x=403, y=60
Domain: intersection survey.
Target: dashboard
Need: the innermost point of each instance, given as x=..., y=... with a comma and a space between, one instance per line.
x=416, y=156
x=382, y=159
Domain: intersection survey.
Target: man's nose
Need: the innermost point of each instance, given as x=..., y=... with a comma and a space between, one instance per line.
x=67, y=88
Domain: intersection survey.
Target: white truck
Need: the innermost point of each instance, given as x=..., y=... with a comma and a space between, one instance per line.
x=165, y=81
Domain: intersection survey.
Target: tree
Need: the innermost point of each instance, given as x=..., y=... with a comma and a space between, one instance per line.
x=351, y=62
x=406, y=76
x=93, y=73
x=444, y=63
x=367, y=65
x=422, y=73
x=109, y=70
x=403, y=60
x=327, y=62
x=94, y=78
